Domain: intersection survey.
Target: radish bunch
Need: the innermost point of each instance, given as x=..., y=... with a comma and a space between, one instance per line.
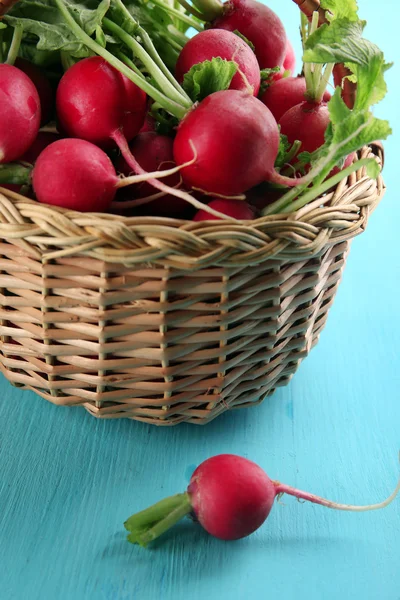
x=230, y=496
x=173, y=125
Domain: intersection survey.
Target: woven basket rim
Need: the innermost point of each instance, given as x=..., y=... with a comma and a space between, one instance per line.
x=52, y=232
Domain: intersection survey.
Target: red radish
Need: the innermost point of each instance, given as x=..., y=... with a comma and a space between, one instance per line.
x=97, y=103
x=230, y=496
x=235, y=140
x=149, y=124
x=286, y=93
x=43, y=86
x=289, y=63
x=75, y=174
x=154, y=152
x=213, y=43
x=237, y=209
x=43, y=139
x=19, y=113
x=260, y=25
x=349, y=88
x=306, y=122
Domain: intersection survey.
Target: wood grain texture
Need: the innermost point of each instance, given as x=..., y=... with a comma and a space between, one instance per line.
x=68, y=481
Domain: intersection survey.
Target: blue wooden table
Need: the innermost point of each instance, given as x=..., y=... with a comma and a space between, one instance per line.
x=67, y=481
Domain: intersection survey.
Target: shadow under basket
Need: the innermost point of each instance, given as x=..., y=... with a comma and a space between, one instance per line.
x=167, y=321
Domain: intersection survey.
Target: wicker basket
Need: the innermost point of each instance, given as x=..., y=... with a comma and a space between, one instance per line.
x=166, y=321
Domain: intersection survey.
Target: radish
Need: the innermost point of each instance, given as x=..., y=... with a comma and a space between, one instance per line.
x=286, y=93
x=237, y=209
x=19, y=113
x=213, y=43
x=153, y=153
x=306, y=122
x=75, y=174
x=260, y=25
x=235, y=140
x=43, y=86
x=230, y=496
x=43, y=139
x=289, y=62
x=97, y=103
x=149, y=124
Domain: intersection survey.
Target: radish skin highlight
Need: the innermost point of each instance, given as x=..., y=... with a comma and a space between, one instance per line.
x=231, y=497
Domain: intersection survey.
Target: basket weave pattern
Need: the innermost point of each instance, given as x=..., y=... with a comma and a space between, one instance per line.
x=167, y=321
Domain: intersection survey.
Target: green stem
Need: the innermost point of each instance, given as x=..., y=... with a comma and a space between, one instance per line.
x=180, y=15
x=192, y=10
x=129, y=63
x=148, y=44
x=316, y=78
x=209, y=9
x=282, y=205
x=1, y=45
x=15, y=173
x=149, y=524
x=152, y=68
x=15, y=44
x=66, y=60
x=172, y=40
x=303, y=30
x=323, y=82
x=175, y=109
x=180, y=37
x=293, y=151
x=151, y=50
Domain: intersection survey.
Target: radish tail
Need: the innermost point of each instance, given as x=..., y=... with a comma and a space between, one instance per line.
x=122, y=144
x=275, y=177
x=286, y=489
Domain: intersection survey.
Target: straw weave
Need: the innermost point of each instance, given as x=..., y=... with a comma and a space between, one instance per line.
x=166, y=321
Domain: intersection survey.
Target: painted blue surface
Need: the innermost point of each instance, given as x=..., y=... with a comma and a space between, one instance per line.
x=67, y=481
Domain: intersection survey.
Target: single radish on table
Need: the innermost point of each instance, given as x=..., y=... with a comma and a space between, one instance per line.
x=260, y=25
x=230, y=496
x=19, y=113
x=213, y=43
x=237, y=209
